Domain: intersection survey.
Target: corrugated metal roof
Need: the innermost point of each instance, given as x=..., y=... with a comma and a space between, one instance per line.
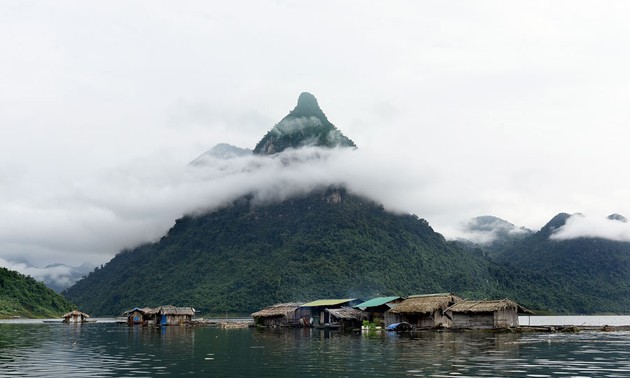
x=328, y=302
x=375, y=302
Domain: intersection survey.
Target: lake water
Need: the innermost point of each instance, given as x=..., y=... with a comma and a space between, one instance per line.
x=106, y=349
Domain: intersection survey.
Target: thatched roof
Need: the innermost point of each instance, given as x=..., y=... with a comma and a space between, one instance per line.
x=425, y=304
x=172, y=310
x=347, y=313
x=488, y=306
x=75, y=313
x=280, y=309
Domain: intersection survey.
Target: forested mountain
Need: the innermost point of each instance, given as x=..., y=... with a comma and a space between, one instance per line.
x=493, y=234
x=331, y=243
x=241, y=258
x=594, y=272
x=22, y=296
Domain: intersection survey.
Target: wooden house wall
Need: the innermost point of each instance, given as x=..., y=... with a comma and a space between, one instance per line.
x=427, y=320
x=271, y=321
x=303, y=316
x=475, y=320
x=377, y=313
x=135, y=317
x=177, y=319
x=506, y=318
x=391, y=318
x=486, y=320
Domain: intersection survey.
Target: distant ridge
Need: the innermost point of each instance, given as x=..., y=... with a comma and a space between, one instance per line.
x=220, y=151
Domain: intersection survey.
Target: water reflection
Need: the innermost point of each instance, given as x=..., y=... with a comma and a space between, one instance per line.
x=101, y=350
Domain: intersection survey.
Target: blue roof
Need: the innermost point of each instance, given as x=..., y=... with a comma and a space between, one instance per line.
x=375, y=302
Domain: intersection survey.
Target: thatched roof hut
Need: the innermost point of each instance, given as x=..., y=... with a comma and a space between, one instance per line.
x=486, y=314
x=281, y=314
x=425, y=304
x=75, y=316
x=347, y=313
x=280, y=309
x=170, y=315
x=177, y=311
x=346, y=317
x=424, y=311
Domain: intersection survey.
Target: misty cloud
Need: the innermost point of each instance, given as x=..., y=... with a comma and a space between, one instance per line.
x=57, y=276
x=108, y=210
x=487, y=229
x=295, y=125
x=589, y=226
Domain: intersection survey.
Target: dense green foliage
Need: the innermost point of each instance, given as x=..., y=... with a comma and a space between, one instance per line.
x=242, y=258
x=306, y=125
x=333, y=244
x=22, y=296
x=582, y=275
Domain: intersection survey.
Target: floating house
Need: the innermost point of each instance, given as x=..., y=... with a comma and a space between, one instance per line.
x=486, y=314
x=75, y=317
x=278, y=315
x=345, y=318
x=163, y=315
x=317, y=313
x=425, y=311
x=136, y=315
x=377, y=309
x=170, y=315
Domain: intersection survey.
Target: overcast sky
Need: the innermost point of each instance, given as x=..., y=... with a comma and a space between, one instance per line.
x=459, y=109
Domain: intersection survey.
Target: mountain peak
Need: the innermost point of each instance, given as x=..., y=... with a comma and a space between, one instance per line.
x=305, y=125
x=555, y=223
x=222, y=151
x=307, y=106
x=617, y=217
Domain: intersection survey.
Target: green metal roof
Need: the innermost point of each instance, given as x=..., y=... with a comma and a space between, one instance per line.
x=328, y=302
x=375, y=302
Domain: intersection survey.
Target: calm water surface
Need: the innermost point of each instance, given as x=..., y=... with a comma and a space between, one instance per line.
x=102, y=349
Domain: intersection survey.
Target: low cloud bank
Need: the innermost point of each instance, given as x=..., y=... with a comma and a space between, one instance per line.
x=75, y=219
x=90, y=217
x=589, y=226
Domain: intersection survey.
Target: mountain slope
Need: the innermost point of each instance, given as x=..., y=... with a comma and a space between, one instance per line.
x=330, y=243
x=326, y=244
x=493, y=234
x=593, y=273
x=22, y=296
